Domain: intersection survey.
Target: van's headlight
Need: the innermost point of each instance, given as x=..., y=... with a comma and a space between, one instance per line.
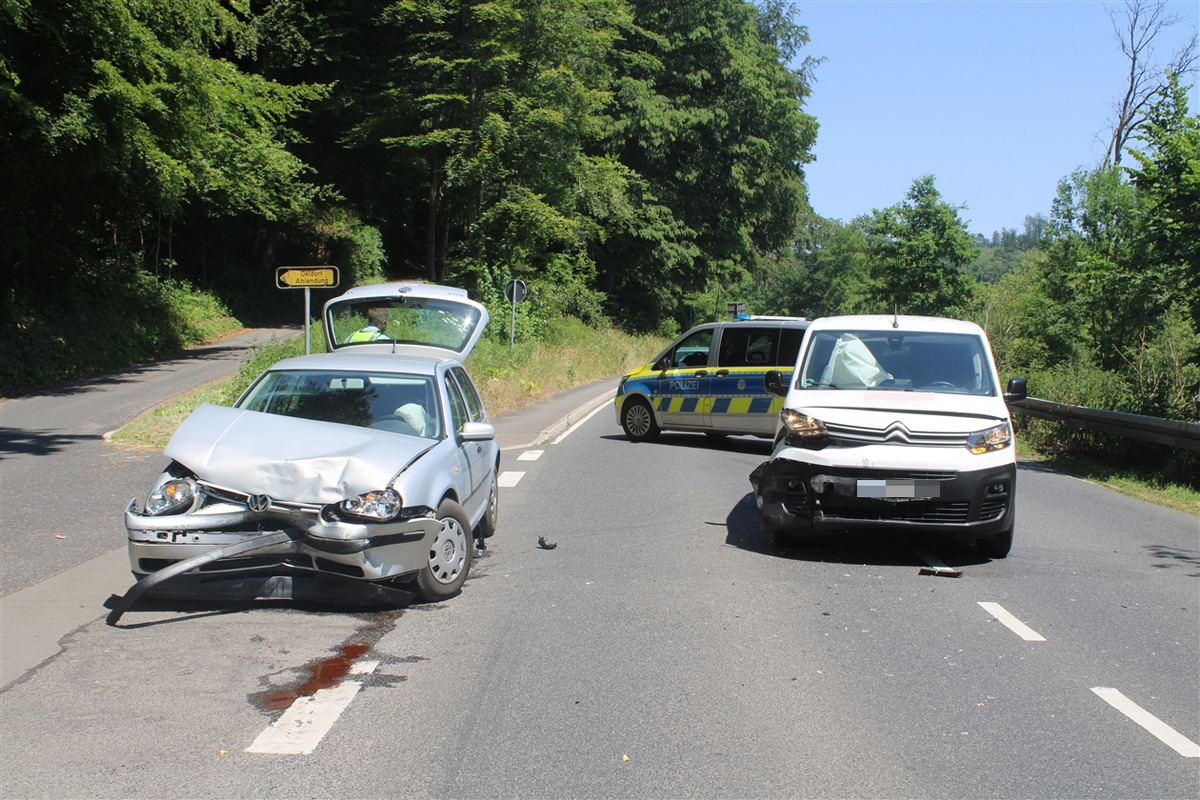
x=171, y=498
x=996, y=438
x=801, y=430
x=378, y=506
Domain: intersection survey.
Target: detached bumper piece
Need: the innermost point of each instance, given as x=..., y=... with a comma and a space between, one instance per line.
x=793, y=495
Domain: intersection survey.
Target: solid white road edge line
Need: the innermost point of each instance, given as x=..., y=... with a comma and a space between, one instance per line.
x=1012, y=623
x=308, y=719
x=1164, y=732
x=507, y=480
x=571, y=429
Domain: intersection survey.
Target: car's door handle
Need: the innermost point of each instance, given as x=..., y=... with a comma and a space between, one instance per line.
x=701, y=373
x=721, y=373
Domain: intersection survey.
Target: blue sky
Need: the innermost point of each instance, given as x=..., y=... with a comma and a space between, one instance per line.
x=997, y=100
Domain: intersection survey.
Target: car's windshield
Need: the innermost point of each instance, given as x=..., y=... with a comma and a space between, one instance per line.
x=425, y=321
x=400, y=403
x=897, y=360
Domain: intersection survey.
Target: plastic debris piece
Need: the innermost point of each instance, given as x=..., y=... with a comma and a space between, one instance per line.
x=542, y=543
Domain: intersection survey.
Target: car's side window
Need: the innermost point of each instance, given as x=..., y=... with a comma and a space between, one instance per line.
x=458, y=407
x=748, y=347
x=470, y=394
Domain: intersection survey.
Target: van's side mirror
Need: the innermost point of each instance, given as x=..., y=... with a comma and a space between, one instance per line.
x=664, y=363
x=773, y=383
x=1016, y=391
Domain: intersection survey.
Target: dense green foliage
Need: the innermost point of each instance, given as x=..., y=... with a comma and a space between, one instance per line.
x=637, y=163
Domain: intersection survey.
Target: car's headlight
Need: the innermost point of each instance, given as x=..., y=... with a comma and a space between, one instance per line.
x=377, y=506
x=172, y=497
x=996, y=438
x=801, y=430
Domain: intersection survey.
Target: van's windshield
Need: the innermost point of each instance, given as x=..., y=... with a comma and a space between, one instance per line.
x=898, y=361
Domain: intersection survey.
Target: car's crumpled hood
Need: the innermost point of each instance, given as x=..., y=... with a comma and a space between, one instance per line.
x=289, y=459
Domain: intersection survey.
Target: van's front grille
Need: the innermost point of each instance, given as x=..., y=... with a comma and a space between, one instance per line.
x=857, y=436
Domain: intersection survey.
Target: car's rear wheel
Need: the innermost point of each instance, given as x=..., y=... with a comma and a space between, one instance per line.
x=449, y=555
x=637, y=418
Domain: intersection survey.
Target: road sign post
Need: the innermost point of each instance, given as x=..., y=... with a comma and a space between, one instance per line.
x=515, y=292
x=307, y=278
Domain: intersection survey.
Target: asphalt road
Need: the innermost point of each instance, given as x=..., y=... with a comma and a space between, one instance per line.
x=664, y=648
x=57, y=472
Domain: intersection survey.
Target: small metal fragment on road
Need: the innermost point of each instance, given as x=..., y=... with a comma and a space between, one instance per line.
x=542, y=543
x=936, y=567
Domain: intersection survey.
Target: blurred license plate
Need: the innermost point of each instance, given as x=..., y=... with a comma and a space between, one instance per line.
x=899, y=489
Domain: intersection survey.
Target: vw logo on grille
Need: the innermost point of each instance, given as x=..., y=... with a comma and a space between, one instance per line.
x=258, y=503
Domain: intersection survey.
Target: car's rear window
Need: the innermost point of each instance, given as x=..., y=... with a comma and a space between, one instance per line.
x=897, y=360
x=423, y=321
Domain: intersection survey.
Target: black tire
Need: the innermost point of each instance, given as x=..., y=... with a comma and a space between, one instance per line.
x=449, y=556
x=999, y=545
x=637, y=418
x=487, y=525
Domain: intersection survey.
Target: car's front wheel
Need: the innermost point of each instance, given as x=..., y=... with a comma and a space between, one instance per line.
x=449, y=555
x=491, y=517
x=637, y=418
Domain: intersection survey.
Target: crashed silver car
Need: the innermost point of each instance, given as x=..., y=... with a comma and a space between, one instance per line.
x=373, y=463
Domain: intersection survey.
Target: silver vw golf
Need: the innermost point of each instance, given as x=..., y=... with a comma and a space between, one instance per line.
x=374, y=463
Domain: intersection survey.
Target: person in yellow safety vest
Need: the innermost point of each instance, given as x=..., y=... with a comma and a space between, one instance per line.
x=376, y=323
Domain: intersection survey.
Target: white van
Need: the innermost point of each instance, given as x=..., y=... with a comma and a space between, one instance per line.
x=893, y=422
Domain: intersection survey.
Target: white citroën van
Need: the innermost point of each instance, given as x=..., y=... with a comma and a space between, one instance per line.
x=893, y=422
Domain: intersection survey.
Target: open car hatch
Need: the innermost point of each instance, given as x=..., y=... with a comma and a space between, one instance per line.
x=422, y=318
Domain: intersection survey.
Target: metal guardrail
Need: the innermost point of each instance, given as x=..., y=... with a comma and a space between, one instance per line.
x=1171, y=432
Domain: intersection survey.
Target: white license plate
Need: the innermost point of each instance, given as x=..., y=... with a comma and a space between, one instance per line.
x=900, y=489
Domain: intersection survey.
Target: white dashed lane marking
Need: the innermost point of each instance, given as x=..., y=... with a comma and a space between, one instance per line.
x=1161, y=730
x=530, y=455
x=507, y=480
x=1012, y=623
x=308, y=719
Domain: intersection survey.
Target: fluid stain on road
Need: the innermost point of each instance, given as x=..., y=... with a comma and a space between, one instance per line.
x=325, y=673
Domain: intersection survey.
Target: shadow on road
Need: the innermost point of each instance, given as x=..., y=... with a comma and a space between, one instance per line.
x=17, y=441
x=874, y=548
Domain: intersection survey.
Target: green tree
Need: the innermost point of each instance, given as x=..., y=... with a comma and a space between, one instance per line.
x=918, y=249
x=1168, y=181
x=708, y=113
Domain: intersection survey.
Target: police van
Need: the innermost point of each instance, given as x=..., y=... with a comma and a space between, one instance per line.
x=710, y=380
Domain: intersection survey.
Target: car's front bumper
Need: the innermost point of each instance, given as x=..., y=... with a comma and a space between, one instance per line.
x=379, y=552
x=803, y=497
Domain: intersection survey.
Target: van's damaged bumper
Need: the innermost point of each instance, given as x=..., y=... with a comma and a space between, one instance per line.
x=803, y=497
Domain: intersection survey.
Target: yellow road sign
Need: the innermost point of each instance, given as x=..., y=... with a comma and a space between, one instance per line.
x=306, y=277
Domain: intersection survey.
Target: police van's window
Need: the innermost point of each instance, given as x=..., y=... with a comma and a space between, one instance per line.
x=789, y=346
x=693, y=350
x=748, y=347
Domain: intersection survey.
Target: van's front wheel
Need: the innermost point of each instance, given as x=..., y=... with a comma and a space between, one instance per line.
x=637, y=418
x=997, y=546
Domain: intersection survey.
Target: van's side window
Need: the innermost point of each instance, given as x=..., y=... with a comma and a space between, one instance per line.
x=693, y=351
x=748, y=347
x=789, y=346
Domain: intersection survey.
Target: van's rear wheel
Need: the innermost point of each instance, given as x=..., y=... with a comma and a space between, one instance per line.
x=637, y=418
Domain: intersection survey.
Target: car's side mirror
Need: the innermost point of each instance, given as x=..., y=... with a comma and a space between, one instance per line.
x=664, y=363
x=773, y=383
x=1016, y=391
x=477, y=432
